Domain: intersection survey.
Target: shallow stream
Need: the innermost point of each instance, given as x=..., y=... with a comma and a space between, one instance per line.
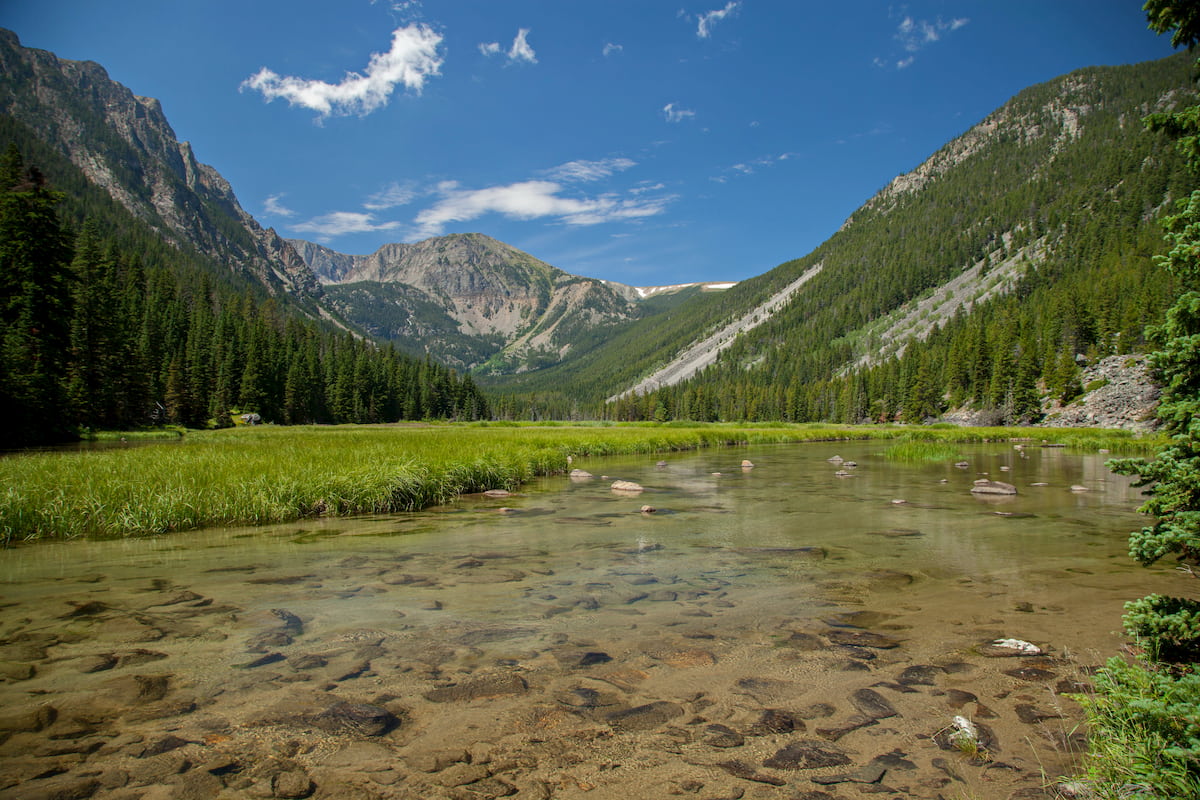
x=767, y=632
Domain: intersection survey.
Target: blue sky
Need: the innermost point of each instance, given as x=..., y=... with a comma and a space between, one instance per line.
x=642, y=141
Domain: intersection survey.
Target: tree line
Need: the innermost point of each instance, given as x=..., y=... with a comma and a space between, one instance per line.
x=93, y=337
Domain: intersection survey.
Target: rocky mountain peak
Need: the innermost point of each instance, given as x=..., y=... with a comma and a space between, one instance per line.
x=123, y=143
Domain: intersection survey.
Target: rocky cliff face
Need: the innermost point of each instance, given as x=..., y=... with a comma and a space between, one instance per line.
x=123, y=143
x=487, y=301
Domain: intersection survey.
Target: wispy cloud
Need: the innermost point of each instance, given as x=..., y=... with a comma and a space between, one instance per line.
x=673, y=114
x=750, y=167
x=706, y=20
x=528, y=200
x=647, y=186
x=274, y=207
x=612, y=49
x=340, y=223
x=589, y=170
x=412, y=59
x=915, y=35
x=392, y=195
x=519, y=51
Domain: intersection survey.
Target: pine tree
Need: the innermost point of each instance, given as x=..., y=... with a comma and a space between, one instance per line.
x=35, y=308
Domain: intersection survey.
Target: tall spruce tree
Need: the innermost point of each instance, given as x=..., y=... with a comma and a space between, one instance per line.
x=35, y=308
x=1145, y=719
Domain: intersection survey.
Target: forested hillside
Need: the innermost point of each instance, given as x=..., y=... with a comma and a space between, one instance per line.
x=1055, y=192
x=103, y=325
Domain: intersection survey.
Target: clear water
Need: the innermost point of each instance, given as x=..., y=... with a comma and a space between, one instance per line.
x=709, y=604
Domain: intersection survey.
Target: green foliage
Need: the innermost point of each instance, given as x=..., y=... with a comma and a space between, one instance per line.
x=1144, y=733
x=1145, y=717
x=1169, y=627
x=35, y=307
x=920, y=451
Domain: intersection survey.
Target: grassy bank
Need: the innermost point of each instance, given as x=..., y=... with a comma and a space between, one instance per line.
x=269, y=474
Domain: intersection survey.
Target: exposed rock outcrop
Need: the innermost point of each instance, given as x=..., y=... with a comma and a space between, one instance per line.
x=124, y=144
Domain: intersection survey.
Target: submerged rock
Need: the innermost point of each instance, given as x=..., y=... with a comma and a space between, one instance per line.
x=477, y=688
x=807, y=754
x=985, y=486
x=358, y=718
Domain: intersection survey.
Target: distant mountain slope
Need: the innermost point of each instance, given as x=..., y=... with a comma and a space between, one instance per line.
x=1048, y=204
x=473, y=301
x=124, y=144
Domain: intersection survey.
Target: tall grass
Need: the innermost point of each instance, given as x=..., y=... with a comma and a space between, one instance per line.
x=915, y=452
x=267, y=474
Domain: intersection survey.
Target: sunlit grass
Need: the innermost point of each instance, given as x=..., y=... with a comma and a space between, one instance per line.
x=269, y=474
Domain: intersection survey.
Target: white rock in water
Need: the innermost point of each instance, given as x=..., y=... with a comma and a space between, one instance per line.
x=1018, y=645
x=627, y=486
x=581, y=474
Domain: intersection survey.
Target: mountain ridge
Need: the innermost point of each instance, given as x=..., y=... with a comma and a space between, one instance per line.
x=124, y=143
x=505, y=310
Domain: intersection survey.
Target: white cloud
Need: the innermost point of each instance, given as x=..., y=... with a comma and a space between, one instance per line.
x=916, y=34
x=392, y=195
x=709, y=18
x=340, y=223
x=413, y=57
x=674, y=114
x=520, y=50
x=610, y=48
x=274, y=207
x=646, y=186
x=589, y=170
x=530, y=200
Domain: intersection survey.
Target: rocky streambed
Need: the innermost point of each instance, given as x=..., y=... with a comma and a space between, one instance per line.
x=730, y=645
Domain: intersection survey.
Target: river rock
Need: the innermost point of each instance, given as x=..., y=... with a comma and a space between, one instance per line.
x=362, y=719
x=859, y=638
x=776, y=720
x=985, y=486
x=1030, y=674
x=807, y=754
x=1006, y=648
x=580, y=475
x=838, y=730
x=718, y=735
x=31, y=719
x=740, y=769
x=477, y=688
x=292, y=784
x=627, y=486
x=645, y=717
x=920, y=675
x=1032, y=715
x=957, y=698
x=872, y=704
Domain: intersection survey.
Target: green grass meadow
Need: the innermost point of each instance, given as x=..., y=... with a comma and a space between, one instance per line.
x=248, y=476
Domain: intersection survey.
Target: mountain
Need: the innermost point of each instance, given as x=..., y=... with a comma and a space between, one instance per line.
x=123, y=144
x=983, y=278
x=137, y=291
x=474, y=302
